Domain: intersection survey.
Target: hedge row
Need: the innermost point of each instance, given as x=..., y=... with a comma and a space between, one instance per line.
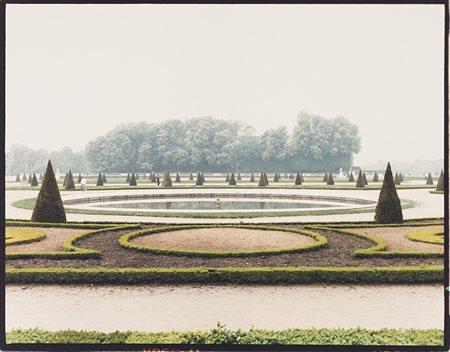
x=51, y=224
x=426, y=236
x=222, y=335
x=289, y=275
x=321, y=241
x=25, y=236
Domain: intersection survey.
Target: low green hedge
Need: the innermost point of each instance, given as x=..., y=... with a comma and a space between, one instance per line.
x=23, y=236
x=71, y=225
x=222, y=335
x=426, y=236
x=288, y=275
x=321, y=241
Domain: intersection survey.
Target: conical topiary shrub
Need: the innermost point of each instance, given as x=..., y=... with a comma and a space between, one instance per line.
x=298, y=180
x=49, y=206
x=430, y=179
x=65, y=179
x=302, y=178
x=24, y=177
x=389, y=209
x=291, y=176
x=34, y=181
x=128, y=179
x=275, y=178
x=70, y=185
x=40, y=177
x=203, y=177
x=365, y=179
x=99, y=179
x=262, y=180
x=153, y=177
x=199, y=181
x=330, y=181
x=18, y=178
x=227, y=179
x=325, y=177
x=397, y=179
x=191, y=177
x=30, y=178
x=104, y=178
x=238, y=177
x=177, y=178
x=351, y=178
x=400, y=176
x=266, y=179
x=360, y=180
x=232, y=180
x=440, y=183
x=167, y=182
x=376, y=178
x=252, y=178
x=133, y=181
x=79, y=178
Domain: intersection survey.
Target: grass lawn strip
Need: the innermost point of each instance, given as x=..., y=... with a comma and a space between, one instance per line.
x=22, y=236
x=426, y=236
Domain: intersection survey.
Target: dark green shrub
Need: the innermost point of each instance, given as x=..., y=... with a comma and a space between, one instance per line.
x=18, y=178
x=65, y=180
x=389, y=209
x=400, y=176
x=330, y=181
x=191, y=177
x=440, y=183
x=104, y=178
x=128, y=179
x=34, y=181
x=232, y=180
x=153, y=177
x=203, y=177
x=262, y=180
x=79, y=178
x=70, y=185
x=365, y=179
x=24, y=177
x=227, y=179
x=177, y=178
x=252, y=178
x=167, y=182
x=99, y=179
x=397, y=180
x=40, y=177
x=49, y=206
x=430, y=179
x=199, y=181
x=360, y=180
x=376, y=178
x=301, y=177
x=298, y=180
x=266, y=179
x=325, y=177
x=133, y=180
x=291, y=176
x=351, y=178
x=275, y=178
x=238, y=178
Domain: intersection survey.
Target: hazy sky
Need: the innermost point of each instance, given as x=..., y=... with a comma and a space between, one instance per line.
x=76, y=71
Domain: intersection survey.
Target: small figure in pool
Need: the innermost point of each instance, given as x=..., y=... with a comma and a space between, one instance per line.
x=157, y=180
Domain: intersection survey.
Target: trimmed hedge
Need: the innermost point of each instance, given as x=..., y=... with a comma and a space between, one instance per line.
x=124, y=241
x=23, y=236
x=222, y=335
x=426, y=236
x=263, y=275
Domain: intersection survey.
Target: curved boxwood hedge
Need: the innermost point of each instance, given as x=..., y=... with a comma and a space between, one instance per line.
x=124, y=241
x=426, y=236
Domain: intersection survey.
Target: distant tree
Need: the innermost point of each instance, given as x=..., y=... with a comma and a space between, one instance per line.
x=41, y=177
x=136, y=176
x=266, y=179
x=232, y=180
x=330, y=181
x=227, y=179
x=177, y=178
x=167, y=181
x=65, y=179
x=252, y=178
x=99, y=179
x=440, y=183
x=191, y=177
x=153, y=177
x=128, y=178
x=325, y=177
x=360, y=180
x=24, y=177
x=430, y=179
x=389, y=209
x=262, y=180
x=351, y=178
x=397, y=179
x=18, y=178
x=79, y=178
x=291, y=176
x=302, y=178
x=376, y=178
x=275, y=178
x=199, y=181
x=34, y=181
x=49, y=206
x=104, y=178
x=238, y=178
x=203, y=177
x=400, y=176
x=30, y=178
x=70, y=185
x=365, y=179
x=298, y=180
x=133, y=181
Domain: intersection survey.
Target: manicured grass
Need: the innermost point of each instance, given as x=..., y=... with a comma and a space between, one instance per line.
x=29, y=204
x=427, y=236
x=222, y=335
x=21, y=236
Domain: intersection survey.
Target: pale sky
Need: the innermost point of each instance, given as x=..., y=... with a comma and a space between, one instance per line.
x=74, y=72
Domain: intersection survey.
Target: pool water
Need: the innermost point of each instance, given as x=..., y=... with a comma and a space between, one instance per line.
x=215, y=205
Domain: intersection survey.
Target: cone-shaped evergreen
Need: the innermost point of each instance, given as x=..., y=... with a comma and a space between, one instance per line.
x=191, y=177
x=133, y=180
x=430, y=179
x=153, y=179
x=79, y=178
x=275, y=178
x=232, y=180
x=291, y=176
x=397, y=179
x=389, y=209
x=400, y=176
x=49, y=206
x=298, y=180
x=227, y=179
x=365, y=179
x=302, y=178
x=199, y=181
x=177, y=178
x=262, y=180
x=65, y=179
x=30, y=178
x=440, y=183
x=330, y=181
x=376, y=178
x=252, y=178
x=70, y=185
x=360, y=180
x=128, y=179
x=238, y=177
x=99, y=179
x=104, y=178
x=24, y=177
x=40, y=177
x=266, y=179
x=18, y=178
x=203, y=177
x=325, y=177
x=34, y=181
x=351, y=178
x=167, y=182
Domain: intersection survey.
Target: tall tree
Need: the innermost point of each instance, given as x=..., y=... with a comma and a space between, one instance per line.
x=389, y=209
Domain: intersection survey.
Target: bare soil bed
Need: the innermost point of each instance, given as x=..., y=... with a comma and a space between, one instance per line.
x=53, y=241
x=395, y=239
x=224, y=239
x=337, y=254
